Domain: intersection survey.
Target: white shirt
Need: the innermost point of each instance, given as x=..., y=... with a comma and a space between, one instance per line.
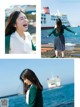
x=18, y=45
x=27, y=96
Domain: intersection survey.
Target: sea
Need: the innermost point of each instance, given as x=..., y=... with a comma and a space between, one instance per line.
x=58, y=97
x=70, y=38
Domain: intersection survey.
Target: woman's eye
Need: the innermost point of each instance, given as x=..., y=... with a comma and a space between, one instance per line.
x=21, y=18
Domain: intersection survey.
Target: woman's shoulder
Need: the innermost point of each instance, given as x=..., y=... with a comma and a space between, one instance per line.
x=7, y=43
x=63, y=26
x=13, y=34
x=7, y=38
x=33, y=87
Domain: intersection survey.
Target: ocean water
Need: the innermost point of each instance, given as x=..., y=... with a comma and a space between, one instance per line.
x=70, y=38
x=59, y=97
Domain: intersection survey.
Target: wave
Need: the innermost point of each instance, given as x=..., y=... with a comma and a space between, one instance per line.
x=70, y=44
x=69, y=104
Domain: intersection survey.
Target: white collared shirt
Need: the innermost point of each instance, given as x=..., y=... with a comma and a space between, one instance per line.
x=18, y=45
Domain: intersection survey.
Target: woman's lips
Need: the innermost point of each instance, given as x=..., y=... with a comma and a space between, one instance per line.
x=25, y=25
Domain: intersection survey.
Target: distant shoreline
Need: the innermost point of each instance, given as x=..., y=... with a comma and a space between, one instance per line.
x=9, y=96
x=47, y=51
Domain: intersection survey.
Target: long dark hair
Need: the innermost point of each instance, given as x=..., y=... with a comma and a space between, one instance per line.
x=59, y=25
x=11, y=22
x=31, y=76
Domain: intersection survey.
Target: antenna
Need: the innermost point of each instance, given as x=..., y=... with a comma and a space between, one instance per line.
x=58, y=13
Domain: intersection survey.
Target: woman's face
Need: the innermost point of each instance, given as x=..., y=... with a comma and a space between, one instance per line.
x=21, y=23
x=27, y=82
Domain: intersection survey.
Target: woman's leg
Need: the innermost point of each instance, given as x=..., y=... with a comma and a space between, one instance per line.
x=62, y=53
x=56, y=53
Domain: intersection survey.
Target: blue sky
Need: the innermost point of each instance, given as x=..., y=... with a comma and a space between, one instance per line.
x=10, y=70
x=69, y=7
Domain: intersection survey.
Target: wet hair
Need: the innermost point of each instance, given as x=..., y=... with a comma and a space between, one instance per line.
x=11, y=22
x=31, y=76
x=59, y=25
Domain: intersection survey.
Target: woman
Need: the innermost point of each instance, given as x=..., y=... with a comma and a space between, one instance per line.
x=32, y=88
x=17, y=40
x=59, y=41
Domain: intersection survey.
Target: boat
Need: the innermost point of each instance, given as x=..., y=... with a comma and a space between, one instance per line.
x=49, y=21
x=54, y=82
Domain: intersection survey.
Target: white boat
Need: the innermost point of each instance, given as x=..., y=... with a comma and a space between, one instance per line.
x=49, y=21
x=54, y=82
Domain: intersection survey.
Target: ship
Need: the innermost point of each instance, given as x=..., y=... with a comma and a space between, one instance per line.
x=49, y=21
x=54, y=82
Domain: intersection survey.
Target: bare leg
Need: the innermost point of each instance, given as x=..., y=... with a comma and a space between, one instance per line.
x=62, y=52
x=56, y=53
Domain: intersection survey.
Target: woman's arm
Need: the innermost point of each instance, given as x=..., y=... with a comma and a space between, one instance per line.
x=68, y=29
x=33, y=47
x=51, y=32
x=32, y=96
x=7, y=44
